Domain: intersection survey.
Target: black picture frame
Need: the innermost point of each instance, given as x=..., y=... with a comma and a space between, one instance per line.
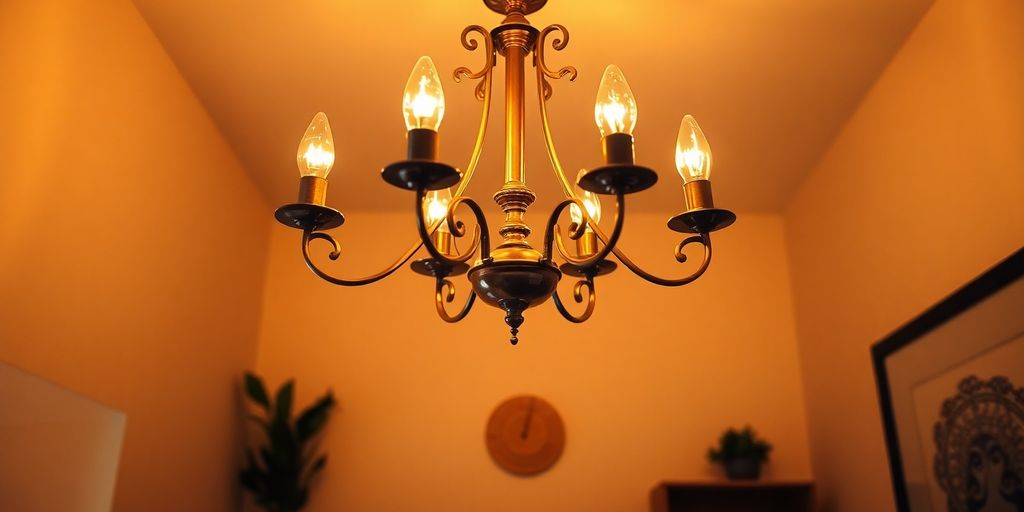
x=992, y=281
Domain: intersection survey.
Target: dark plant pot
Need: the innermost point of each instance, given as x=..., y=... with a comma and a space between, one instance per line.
x=746, y=468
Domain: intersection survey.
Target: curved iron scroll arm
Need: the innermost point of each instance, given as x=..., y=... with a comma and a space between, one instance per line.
x=458, y=229
x=577, y=294
x=308, y=236
x=704, y=239
x=440, y=298
x=576, y=230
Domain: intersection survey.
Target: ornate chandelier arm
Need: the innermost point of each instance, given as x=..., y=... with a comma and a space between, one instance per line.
x=543, y=89
x=481, y=238
x=483, y=93
x=577, y=294
x=458, y=229
x=544, y=93
x=577, y=230
x=309, y=235
x=440, y=298
x=704, y=239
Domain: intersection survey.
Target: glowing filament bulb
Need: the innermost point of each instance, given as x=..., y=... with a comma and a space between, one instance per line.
x=315, y=156
x=423, y=101
x=435, y=207
x=615, y=108
x=693, y=153
x=590, y=201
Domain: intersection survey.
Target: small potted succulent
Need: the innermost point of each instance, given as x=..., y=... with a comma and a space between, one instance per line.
x=741, y=453
x=278, y=472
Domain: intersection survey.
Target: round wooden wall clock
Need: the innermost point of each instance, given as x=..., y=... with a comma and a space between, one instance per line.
x=525, y=435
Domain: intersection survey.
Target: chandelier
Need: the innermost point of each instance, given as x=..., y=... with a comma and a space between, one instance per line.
x=512, y=274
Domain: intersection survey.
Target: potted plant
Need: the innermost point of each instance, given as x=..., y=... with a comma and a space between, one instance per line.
x=279, y=476
x=741, y=453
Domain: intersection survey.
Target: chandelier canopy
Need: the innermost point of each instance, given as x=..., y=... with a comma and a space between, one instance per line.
x=512, y=275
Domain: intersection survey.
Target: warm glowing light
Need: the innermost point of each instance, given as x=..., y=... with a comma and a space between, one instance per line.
x=591, y=202
x=435, y=206
x=693, y=153
x=423, y=101
x=615, y=108
x=315, y=156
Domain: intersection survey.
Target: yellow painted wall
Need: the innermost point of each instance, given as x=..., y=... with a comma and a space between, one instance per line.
x=132, y=245
x=922, y=191
x=644, y=387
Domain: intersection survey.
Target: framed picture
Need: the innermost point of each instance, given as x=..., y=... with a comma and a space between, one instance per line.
x=951, y=390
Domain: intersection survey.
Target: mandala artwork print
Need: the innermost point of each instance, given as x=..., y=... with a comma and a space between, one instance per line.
x=979, y=447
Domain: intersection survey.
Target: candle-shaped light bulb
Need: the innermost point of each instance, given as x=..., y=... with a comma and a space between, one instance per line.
x=423, y=101
x=591, y=202
x=693, y=153
x=315, y=156
x=435, y=207
x=615, y=108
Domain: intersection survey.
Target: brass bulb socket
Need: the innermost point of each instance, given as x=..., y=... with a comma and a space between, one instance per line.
x=698, y=195
x=586, y=245
x=443, y=241
x=423, y=144
x=313, y=190
x=617, y=149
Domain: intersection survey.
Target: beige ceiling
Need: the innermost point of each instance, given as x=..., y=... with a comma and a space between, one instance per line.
x=771, y=82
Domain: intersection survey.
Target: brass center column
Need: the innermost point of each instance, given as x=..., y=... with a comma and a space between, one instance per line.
x=514, y=40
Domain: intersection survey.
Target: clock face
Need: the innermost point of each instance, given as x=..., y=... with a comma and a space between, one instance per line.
x=525, y=435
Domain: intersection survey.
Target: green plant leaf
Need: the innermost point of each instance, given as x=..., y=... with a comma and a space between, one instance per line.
x=313, y=418
x=735, y=444
x=250, y=458
x=283, y=449
x=269, y=461
x=252, y=480
x=318, y=464
x=255, y=390
x=256, y=419
x=283, y=402
x=278, y=472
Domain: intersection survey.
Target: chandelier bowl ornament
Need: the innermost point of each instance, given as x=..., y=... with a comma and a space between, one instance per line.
x=512, y=276
x=514, y=286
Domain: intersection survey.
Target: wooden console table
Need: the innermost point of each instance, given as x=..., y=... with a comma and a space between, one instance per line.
x=728, y=496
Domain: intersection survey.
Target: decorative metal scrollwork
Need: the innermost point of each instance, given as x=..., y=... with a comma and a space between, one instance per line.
x=704, y=239
x=470, y=44
x=577, y=230
x=557, y=44
x=543, y=71
x=309, y=236
x=546, y=89
x=481, y=238
x=482, y=92
x=577, y=294
x=444, y=293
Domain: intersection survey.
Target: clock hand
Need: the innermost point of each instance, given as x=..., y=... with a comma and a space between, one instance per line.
x=526, y=424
